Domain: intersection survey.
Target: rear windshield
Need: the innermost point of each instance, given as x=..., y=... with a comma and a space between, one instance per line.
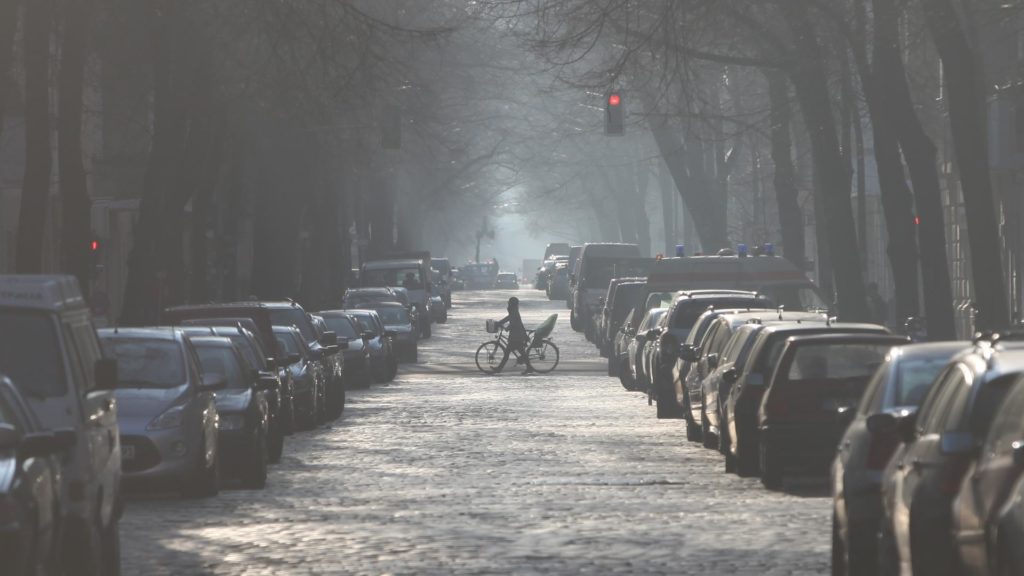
x=796, y=297
x=408, y=278
x=913, y=378
x=293, y=317
x=30, y=353
x=341, y=326
x=147, y=363
x=837, y=361
x=392, y=316
x=687, y=311
x=221, y=360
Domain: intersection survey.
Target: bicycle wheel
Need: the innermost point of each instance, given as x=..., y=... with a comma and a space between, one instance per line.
x=491, y=357
x=543, y=358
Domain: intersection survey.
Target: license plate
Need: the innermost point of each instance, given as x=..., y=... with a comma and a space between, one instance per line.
x=127, y=452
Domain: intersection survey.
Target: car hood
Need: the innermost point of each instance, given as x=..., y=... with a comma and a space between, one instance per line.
x=399, y=328
x=136, y=407
x=233, y=400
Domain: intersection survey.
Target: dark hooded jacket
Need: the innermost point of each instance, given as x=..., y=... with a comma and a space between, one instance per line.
x=516, y=330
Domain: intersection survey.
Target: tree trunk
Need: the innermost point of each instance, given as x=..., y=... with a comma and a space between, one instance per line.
x=667, y=208
x=36, y=183
x=834, y=175
x=791, y=216
x=919, y=154
x=966, y=104
x=643, y=223
x=209, y=181
x=75, y=203
x=8, y=26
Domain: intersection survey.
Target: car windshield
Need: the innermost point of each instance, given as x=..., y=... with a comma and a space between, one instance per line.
x=836, y=361
x=147, y=363
x=913, y=378
x=393, y=316
x=221, y=360
x=408, y=278
x=341, y=326
x=293, y=317
x=247, y=349
x=365, y=323
x=30, y=353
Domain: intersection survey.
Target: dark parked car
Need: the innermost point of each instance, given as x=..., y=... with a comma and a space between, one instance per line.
x=30, y=487
x=244, y=413
x=818, y=381
x=899, y=385
x=166, y=410
x=397, y=321
x=558, y=284
x=1006, y=531
x=379, y=341
x=623, y=296
x=305, y=373
x=281, y=423
x=507, y=281
x=715, y=387
x=941, y=441
x=358, y=368
x=361, y=296
x=636, y=371
x=744, y=398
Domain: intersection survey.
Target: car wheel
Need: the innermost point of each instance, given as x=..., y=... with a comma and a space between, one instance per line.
x=275, y=447
x=414, y=357
x=772, y=476
x=205, y=480
x=708, y=440
x=888, y=559
x=626, y=379
x=730, y=463
x=111, y=553
x=82, y=549
x=425, y=333
x=574, y=320
x=288, y=415
x=667, y=408
x=255, y=477
x=746, y=457
x=692, y=430
x=309, y=420
x=838, y=550
x=335, y=403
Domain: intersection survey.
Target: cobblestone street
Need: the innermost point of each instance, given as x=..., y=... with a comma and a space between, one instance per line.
x=448, y=471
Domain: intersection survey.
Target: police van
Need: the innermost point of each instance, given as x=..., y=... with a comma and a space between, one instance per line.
x=49, y=349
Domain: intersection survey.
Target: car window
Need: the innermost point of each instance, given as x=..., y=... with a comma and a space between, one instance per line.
x=147, y=362
x=836, y=361
x=293, y=317
x=408, y=278
x=874, y=393
x=955, y=405
x=291, y=344
x=990, y=396
x=1008, y=426
x=392, y=316
x=744, y=348
x=30, y=353
x=341, y=326
x=913, y=378
x=249, y=354
x=936, y=403
x=217, y=359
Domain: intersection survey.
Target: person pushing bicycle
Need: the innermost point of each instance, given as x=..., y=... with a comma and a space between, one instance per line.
x=517, y=336
x=532, y=348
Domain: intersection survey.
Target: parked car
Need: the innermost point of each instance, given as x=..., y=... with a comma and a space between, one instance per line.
x=323, y=348
x=940, y=442
x=359, y=296
x=438, y=310
x=379, y=341
x=166, y=410
x=396, y=320
x=49, y=349
x=623, y=295
x=30, y=487
x=506, y=281
x=637, y=366
x=684, y=311
x=411, y=273
x=244, y=413
x=358, y=368
x=556, y=249
x=305, y=373
x=574, y=262
x=255, y=359
x=1006, y=531
x=558, y=284
x=898, y=386
x=598, y=264
x=442, y=279
x=814, y=389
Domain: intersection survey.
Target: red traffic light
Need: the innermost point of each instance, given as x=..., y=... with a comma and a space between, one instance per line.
x=614, y=100
x=94, y=245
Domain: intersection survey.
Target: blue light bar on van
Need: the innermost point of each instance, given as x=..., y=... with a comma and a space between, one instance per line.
x=741, y=250
x=769, y=249
x=680, y=250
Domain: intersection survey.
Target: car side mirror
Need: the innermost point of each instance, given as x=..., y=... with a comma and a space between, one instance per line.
x=317, y=353
x=294, y=357
x=105, y=374
x=328, y=338
x=342, y=344
x=882, y=424
x=271, y=363
x=331, y=350
x=689, y=353
x=906, y=427
x=391, y=334
x=265, y=382
x=731, y=375
x=214, y=381
x=952, y=443
x=38, y=445
x=651, y=335
x=712, y=360
x=1018, y=452
x=368, y=335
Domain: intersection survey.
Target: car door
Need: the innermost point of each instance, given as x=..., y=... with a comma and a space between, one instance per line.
x=99, y=409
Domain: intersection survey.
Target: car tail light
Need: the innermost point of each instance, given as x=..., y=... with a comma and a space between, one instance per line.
x=880, y=450
x=954, y=472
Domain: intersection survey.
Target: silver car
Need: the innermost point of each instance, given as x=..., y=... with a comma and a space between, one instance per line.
x=166, y=411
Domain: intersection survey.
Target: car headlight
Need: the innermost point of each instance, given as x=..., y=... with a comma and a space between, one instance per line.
x=171, y=418
x=231, y=422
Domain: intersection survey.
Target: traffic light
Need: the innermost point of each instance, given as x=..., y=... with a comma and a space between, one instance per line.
x=391, y=128
x=613, y=115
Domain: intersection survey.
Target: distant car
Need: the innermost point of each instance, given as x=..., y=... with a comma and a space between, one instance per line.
x=411, y=273
x=379, y=341
x=42, y=320
x=940, y=443
x=634, y=369
x=30, y=487
x=396, y=320
x=506, y=281
x=622, y=297
x=456, y=282
x=244, y=413
x=819, y=379
x=358, y=368
x=166, y=410
x=899, y=385
x=438, y=310
x=442, y=279
x=558, y=284
x=305, y=373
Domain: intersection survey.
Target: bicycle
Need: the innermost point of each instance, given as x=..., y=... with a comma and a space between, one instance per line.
x=541, y=353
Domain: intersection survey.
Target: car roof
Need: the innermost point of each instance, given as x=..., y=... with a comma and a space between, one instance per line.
x=787, y=326
x=383, y=305
x=388, y=264
x=55, y=293
x=923, y=350
x=149, y=333
x=828, y=337
x=333, y=313
x=366, y=290
x=216, y=341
